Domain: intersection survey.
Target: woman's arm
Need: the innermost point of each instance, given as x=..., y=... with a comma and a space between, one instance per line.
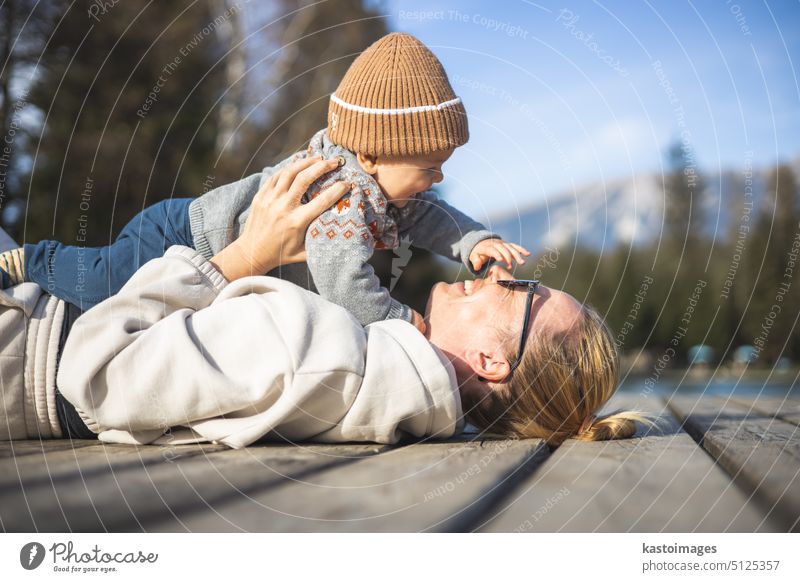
x=274, y=233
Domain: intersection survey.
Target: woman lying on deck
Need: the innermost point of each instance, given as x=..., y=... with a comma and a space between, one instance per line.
x=194, y=350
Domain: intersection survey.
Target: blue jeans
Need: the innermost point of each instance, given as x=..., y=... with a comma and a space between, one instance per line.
x=84, y=276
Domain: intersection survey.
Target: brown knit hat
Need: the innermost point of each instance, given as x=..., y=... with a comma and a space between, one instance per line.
x=395, y=99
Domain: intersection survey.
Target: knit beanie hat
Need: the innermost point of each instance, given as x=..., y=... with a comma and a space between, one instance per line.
x=395, y=99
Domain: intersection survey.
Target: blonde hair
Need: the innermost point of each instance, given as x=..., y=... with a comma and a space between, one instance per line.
x=563, y=379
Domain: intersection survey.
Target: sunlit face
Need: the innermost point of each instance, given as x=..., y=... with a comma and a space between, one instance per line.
x=403, y=177
x=470, y=315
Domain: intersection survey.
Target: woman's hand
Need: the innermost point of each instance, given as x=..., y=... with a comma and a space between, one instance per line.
x=274, y=233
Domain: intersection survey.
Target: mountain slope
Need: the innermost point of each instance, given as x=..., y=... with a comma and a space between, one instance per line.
x=627, y=211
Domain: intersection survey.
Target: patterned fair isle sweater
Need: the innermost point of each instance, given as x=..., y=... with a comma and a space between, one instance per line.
x=341, y=240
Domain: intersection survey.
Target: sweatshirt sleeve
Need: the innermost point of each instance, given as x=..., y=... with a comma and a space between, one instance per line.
x=338, y=245
x=432, y=224
x=135, y=361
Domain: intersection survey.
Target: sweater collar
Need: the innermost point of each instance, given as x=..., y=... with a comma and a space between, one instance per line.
x=321, y=144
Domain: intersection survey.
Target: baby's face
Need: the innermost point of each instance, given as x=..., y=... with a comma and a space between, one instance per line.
x=401, y=178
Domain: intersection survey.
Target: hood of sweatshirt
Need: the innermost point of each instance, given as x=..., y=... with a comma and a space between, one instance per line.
x=409, y=386
x=401, y=385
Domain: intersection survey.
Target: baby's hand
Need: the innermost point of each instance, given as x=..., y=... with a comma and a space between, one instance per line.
x=418, y=321
x=495, y=248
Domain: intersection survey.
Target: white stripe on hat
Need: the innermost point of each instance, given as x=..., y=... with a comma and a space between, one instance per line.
x=374, y=110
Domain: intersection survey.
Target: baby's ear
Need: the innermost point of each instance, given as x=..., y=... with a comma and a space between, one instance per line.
x=368, y=163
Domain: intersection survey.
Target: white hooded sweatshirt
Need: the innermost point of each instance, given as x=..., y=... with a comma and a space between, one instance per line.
x=179, y=346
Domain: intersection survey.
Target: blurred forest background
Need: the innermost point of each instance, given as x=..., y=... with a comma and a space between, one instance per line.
x=107, y=107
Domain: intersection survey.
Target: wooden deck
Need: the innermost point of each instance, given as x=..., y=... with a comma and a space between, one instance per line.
x=715, y=465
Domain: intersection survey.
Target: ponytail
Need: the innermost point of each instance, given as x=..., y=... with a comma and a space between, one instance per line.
x=617, y=425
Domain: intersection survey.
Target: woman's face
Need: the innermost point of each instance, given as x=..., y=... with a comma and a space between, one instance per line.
x=456, y=312
x=471, y=315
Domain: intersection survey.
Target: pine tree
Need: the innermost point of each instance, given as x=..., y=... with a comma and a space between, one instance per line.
x=127, y=100
x=683, y=210
x=295, y=64
x=25, y=27
x=681, y=258
x=776, y=283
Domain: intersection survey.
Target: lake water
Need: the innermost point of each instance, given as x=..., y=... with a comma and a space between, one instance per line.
x=751, y=384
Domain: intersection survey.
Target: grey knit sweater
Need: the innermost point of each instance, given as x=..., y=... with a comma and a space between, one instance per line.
x=341, y=240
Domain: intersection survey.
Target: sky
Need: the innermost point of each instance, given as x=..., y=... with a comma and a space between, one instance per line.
x=563, y=94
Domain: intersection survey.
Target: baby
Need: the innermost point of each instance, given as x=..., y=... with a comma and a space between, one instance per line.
x=393, y=122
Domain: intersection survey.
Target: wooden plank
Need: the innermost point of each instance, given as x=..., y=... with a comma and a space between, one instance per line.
x=658, y=481
x=56, y=464
x=30, y=480
x=420, y=487
x=760, y=452
x=92, y=450
x=127, y=493
x=784, y=407
x=10, y=449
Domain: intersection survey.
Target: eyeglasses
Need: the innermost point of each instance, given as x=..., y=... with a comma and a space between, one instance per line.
x=532, y=286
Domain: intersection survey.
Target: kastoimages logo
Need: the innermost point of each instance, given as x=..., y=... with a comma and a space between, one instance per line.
x=31, y=555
